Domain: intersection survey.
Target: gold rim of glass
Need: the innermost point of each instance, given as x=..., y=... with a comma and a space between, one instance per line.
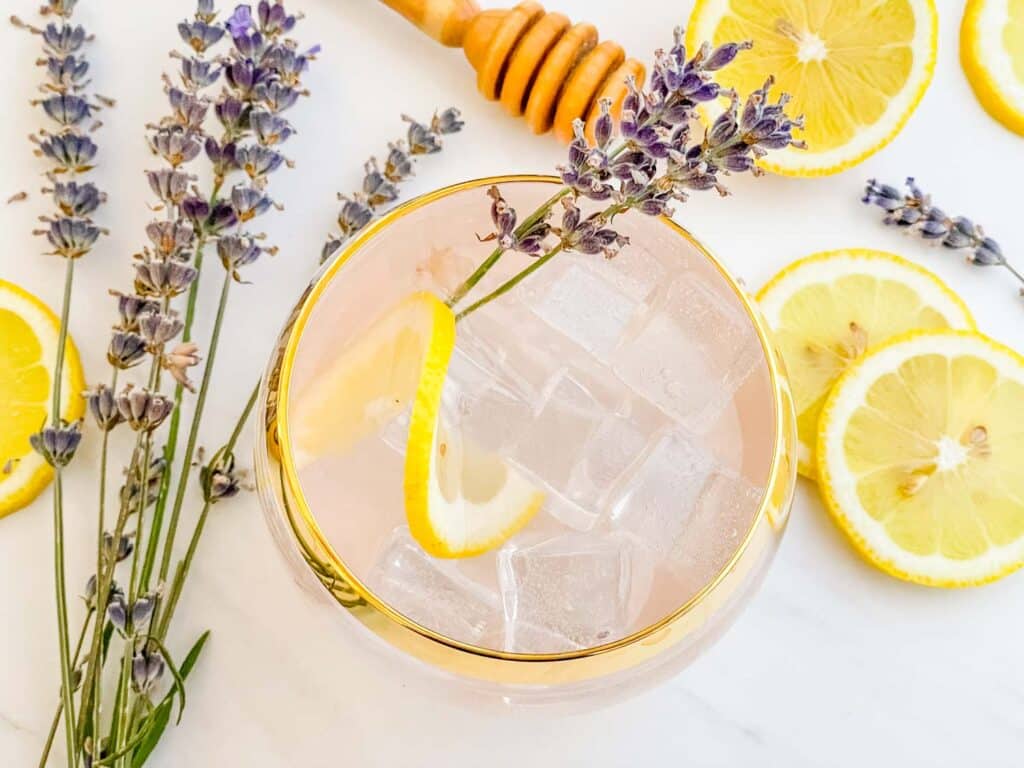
x=279, y=423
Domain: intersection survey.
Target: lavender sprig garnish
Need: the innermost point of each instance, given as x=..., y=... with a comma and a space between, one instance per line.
x=380, y=183
x=658, y=159
x=913, y=212
x=70, y=106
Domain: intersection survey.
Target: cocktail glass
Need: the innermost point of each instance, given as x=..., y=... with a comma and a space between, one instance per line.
x=641, y=393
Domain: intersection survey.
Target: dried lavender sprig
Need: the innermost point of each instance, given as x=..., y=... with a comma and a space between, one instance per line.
x=162, y=272
x=380, y=185
x=263, y=77
x=914, y=212
x=71, y=232
x=656, y=161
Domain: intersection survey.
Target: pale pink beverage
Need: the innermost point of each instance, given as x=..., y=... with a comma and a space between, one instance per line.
x=634, y=392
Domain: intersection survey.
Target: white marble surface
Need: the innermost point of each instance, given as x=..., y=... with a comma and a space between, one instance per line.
x=833, y=663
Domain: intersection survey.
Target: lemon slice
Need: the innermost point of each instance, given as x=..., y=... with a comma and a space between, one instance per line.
x=375, y=378
x=459, y=500
x=992, y=55
x=919, y=457
x=856, y=70
x=29, y=332
x=828, y=309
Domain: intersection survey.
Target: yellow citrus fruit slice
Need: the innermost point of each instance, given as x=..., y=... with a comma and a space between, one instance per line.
x=992, y=55
x=829, y=309
x=855, y=69
x=375, y=378
x=29, y=332
x=919, y=457
x=459, y=500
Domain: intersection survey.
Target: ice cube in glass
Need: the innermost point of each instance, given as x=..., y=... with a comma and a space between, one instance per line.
x=576, y=586
x=656, y=500
x=689, y=353
x=431, y=592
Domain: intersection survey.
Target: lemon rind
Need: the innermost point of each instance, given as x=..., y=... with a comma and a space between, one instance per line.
x=977, y=61
x=866, y=535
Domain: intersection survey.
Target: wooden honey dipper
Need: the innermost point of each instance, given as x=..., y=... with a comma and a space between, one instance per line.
x=537, y=64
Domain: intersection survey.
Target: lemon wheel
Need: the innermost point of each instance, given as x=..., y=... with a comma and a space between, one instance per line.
x=919, y=457
x=856, y=70
x=29, y=333
x=992, y=55
x=459, y=500
x=829, y=309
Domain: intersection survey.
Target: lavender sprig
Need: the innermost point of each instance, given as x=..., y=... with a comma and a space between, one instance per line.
x=657, y=160
x=913, y=212
x=71, y=232
x=380, y=184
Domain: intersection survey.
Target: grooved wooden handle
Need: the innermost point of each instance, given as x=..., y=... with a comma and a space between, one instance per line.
x=537, y=64
x=443, y=20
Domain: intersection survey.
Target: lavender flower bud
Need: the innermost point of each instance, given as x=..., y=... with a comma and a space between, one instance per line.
x=66, y=109
x=187, y=110
x=142, y=610
x=117, y=612
x=71, y=238
x=884, y=196
x=158, y=328
x=422, y=140
x=277, y=97
x=235, y=252
x=269, y=129
x=63, y=40
x=197, y=74
x=987, y=253
x=287, y=64
x=353, y=216
x=723, y=55
x=147, y=669
x=220, y=480
x=273, y=19
x=126, y=349
x=102, y=406
x=70, y=152
x=175, y=145
x=170, y=186
x=90, y=591
x=163, y=278
x=57, y=445
x=242, y=76
x=221, y=217
x=206, y=11
x=142, y=409
x=378, y=189
x=248, y=203
x=170, y=238
x=604, y=124
x=398, y=165
x=196, y=210
x=74, y=199
x=66, y=72
x=199, y=35
x=258, y=162
x=129, y=307
x=222, y=157
x=448, y=121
